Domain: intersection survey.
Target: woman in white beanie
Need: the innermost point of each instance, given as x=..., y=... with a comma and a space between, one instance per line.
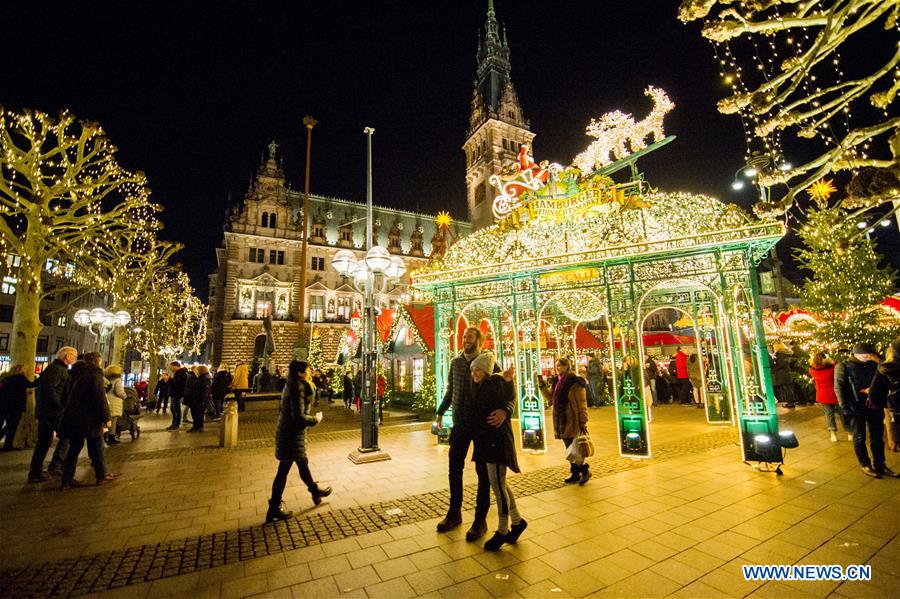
x=495, y=447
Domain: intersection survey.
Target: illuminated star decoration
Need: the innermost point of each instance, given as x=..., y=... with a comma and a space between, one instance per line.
x=443, y=220
x=821, y=190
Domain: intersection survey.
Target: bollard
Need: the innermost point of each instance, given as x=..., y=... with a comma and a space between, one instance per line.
x=228, y=434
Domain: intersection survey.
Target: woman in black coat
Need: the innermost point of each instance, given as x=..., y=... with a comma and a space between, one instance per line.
x=782, y=382
x=496, y=447
x=13, y=390
x=290, y=440
x=220, y=384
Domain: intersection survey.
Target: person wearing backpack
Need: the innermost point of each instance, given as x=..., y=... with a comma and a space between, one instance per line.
x=852, y=382
x=885, y=392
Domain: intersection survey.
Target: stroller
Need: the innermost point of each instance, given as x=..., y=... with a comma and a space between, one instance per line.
x=131, y=413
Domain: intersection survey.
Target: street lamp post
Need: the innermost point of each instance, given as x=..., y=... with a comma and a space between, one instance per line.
x=103, y=319
x=760, y=163
x=370, y=276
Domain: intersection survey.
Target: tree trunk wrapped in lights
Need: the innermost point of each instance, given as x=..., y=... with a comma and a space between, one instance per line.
x=798, y=83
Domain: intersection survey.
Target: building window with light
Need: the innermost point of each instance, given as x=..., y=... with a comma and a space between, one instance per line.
x=9, y=285
x=62, y=321
x=316, y=308
x=264, y=300
x=13, y=260
x=418, y=374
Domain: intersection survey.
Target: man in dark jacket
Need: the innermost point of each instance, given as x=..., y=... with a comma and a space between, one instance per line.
x=885, y=392
x=51, y=400
x=162, y=393
x=459, y=396
x=84, y=418
x=177, y=389
x=852, y=380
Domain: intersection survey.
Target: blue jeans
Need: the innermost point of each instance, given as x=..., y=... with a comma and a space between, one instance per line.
x=830, y=409
x=176, y=412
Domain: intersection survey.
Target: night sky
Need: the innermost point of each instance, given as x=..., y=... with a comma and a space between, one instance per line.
x=192, y=94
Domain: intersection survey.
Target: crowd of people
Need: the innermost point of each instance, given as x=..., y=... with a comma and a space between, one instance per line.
x=78, y=403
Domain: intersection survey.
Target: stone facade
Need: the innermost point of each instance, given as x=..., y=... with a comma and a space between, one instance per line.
x=260, y=264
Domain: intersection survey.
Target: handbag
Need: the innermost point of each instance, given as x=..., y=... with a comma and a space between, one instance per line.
x=585, y=444
x=573, y=452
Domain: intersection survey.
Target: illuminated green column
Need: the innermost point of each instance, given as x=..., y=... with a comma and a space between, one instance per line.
x=531, y=406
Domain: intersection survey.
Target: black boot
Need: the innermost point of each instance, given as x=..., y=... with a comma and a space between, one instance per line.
x=318, y=493
x=276, y=513
x=585, y=474
x=478, y=529
x=575, y=474
x=450, y=521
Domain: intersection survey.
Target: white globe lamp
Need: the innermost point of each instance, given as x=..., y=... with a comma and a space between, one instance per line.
x=378, y=259
x=344, y=262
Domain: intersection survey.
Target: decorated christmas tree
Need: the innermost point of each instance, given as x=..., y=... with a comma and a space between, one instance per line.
x=316, y=359
x=847, y=282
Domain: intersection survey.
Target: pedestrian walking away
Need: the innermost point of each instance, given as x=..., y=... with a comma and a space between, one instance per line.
x=290, y=440
x=240, y=383
x=852, y=380
x=821, y=369
x=115, y=397
x=83, y=420
x=885, y=393
x=199, y=397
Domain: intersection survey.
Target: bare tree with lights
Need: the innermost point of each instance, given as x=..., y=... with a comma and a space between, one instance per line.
x=783, y=62
x=64, y=201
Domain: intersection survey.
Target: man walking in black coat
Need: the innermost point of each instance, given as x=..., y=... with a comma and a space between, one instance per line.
x=852, y=380
x=459, y=396
x=51, y=400
x=84, y=418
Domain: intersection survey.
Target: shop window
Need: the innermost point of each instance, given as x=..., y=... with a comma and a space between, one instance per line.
x=403, y=375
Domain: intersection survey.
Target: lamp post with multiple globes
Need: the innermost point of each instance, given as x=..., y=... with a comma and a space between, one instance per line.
x=370, y=276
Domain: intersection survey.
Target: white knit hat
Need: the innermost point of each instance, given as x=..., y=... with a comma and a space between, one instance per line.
x=485, y=362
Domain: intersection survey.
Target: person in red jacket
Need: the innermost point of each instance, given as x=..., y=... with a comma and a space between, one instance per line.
x=821, y=369
x=684, y=389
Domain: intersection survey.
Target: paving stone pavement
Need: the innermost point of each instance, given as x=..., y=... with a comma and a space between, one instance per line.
x=135, y=567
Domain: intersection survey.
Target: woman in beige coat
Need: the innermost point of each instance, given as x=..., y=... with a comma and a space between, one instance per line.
x=240, y=383
x=115, y=397
x=568, y=395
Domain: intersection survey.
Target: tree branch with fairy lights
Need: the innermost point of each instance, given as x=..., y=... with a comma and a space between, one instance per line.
x=64, y=198
x=799, y=83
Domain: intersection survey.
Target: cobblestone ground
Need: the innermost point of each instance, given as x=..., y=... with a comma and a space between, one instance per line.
x=412, y=493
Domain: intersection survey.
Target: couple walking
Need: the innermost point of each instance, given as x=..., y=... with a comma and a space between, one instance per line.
x=482, y=402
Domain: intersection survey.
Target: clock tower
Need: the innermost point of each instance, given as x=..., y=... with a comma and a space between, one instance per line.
x=497, y=126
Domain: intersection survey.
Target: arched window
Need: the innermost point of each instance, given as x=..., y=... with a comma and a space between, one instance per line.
x=265, y=219
x=272, y=220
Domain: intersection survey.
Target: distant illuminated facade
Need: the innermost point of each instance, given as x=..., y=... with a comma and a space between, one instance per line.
x=259, y=265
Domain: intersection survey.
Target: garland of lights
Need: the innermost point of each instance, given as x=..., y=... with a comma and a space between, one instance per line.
x=798, y=84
